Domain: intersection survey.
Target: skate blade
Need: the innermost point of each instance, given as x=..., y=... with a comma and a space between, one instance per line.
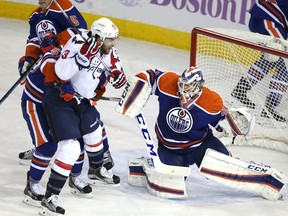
x=77, y=193
x=29, y=201
x=45, y=212
x=100, y=183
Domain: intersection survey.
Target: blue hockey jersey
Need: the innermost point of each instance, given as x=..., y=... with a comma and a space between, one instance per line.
x=178, y=128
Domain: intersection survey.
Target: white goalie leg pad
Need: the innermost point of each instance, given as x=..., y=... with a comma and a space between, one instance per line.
x=142, y=173
x=134, y=97
x=255, y=178
x=240, y=120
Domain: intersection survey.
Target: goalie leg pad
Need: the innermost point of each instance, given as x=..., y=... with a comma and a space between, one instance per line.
x=258, y=179
x=134, y=97
x=161, y=185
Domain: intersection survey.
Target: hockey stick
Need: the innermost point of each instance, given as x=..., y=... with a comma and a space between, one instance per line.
x=152, y=151
x=151, y=148
x=80, y=33
x=23, y=77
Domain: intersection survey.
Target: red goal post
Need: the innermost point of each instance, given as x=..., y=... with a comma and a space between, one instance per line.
x=226, y=55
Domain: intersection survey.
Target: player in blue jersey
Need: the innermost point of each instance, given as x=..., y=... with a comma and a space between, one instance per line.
x=47, y=18
x=187, y=112
x=268, y=17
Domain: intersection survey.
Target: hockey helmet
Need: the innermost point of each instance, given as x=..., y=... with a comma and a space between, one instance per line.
x=105, y=28
x=190, y=85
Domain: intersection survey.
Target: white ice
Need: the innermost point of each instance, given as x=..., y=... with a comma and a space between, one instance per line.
x=205, y=197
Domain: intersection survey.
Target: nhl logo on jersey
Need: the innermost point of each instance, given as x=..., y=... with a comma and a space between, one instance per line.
x=179, y=120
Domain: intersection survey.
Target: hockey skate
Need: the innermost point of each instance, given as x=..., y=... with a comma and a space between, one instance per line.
x=51, y=205
x=240, y=93
x=103, y=177
x=108, y=162
x=33, y=193
x=274, y=115
x=26, y=156
x=79, y=188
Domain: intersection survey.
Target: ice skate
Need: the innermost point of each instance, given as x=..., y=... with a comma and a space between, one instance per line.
x=272, y=113
x=240, y=93
x=51, y=205
x=108, y=162
x=33, y=193
x=103, y=177
x=26, y=156
x=80, y=188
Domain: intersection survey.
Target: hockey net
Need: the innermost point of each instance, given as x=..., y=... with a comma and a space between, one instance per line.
x=224, y=57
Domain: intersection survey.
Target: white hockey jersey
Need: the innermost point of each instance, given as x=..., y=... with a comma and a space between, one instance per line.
x=85, y=80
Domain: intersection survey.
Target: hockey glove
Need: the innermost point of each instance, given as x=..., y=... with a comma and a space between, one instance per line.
x=66, y=90
x=87, y=52
x=117, y=78
x=48, y=42
x=24, y=64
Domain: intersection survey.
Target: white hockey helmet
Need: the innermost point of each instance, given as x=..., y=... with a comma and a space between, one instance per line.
x=190, y=84
x=105, y=28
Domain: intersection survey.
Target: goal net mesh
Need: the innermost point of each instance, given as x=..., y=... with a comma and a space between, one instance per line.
x=225, y=57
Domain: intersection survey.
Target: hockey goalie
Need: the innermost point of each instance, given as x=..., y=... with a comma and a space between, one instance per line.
x=187, y=112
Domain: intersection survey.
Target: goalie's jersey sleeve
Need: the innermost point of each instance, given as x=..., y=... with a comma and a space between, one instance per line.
x=53, y=21
x=178, y=128
x=274, y=10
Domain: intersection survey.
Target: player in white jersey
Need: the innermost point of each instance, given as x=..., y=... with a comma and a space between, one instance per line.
x=80, y=73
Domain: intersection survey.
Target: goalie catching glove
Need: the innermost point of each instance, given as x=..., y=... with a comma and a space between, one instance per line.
x=134, y=97
x=240, y=120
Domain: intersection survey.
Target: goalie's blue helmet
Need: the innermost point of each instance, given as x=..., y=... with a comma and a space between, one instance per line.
x=190, y=85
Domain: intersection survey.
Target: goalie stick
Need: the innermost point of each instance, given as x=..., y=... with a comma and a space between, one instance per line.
x=80, y=33
x=151, y=148
x=23, y=77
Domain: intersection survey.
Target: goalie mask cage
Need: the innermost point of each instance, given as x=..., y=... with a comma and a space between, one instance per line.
x=225, y=56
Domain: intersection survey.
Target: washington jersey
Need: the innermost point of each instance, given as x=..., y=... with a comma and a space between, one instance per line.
x=274, y=10
x=178, y=128
x=52, y=20
x=85, y=80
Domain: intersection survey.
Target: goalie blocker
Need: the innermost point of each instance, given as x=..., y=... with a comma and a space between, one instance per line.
x=250, y=177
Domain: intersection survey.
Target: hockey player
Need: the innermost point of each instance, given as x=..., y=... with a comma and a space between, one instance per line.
x=85, y=59
x=47, y=18
x=45, y=146
x=267, y=18
x=187, y=111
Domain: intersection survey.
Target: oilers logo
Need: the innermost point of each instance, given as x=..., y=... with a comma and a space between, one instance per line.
x=179, y=120
x=43, y=27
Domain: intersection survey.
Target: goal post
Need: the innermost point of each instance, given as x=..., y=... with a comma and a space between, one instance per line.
x=225, y=56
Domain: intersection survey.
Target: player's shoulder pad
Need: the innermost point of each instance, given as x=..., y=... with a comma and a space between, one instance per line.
x=65, y=5
x=167, y=83
x=210, y=101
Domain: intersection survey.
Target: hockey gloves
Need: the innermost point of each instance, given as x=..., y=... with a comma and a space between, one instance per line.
x=87, y=52
x=48, y=42
x=24, y=64
x=117, y=78
x=66, y=90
